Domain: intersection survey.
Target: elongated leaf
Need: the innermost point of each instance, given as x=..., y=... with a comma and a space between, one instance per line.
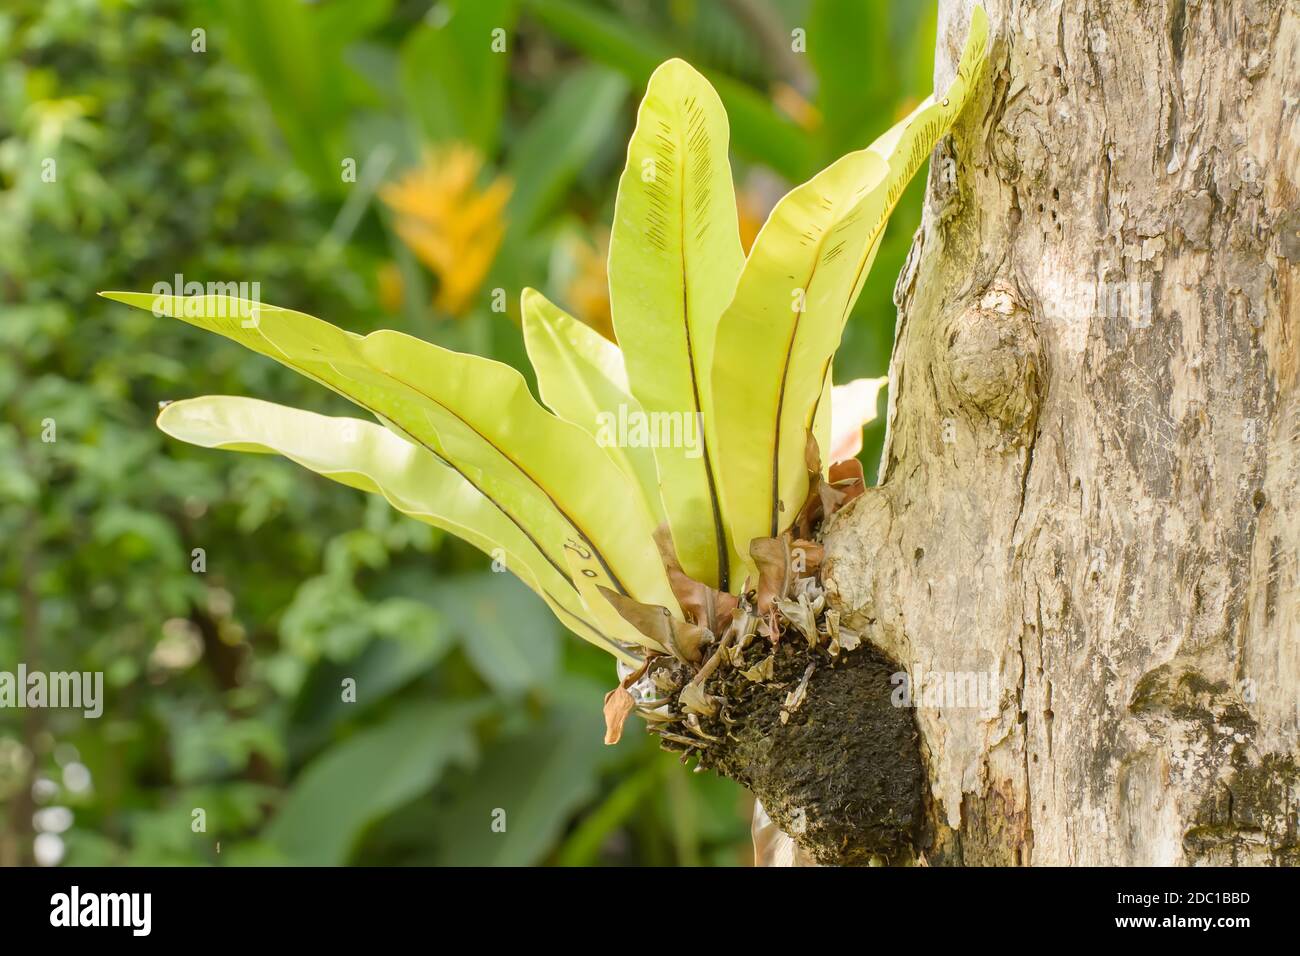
x=491, y=420
x=777, y=338
x=581, y=376
x=822, y=426
x=579, y=117
x=452, y=78
x=674, y=258
x=907, y=145
x=363, y=455
x=475, y=414
x=332, y=356
x=775, y=342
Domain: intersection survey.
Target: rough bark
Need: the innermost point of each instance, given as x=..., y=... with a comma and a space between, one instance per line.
x=1091, y=483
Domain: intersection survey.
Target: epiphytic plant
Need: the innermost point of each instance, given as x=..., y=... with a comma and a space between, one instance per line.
x=664, y=501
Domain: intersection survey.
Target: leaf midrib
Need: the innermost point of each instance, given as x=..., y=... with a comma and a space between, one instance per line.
x=536, y=482
x=288, y=360
x=719, y=534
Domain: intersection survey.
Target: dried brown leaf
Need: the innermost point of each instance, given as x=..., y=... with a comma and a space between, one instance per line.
x=686, y=640
x=810, y=512
x=772, y=555
x=657, y=623
x=762, y=671
x=693, y=724
x=801, y=615
x=805, y=556
x=744, y=623
x=849, y=639
x=703, y=605
x=849, y=479
x=696, y=700
x=794, y=700
x=831, y=619
x=812, y=457
x=830, y=497
x=618, y=704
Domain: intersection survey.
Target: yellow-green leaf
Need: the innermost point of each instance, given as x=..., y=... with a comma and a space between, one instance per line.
x=475, y=414
x=491, y=420
x=581, y=377
x=778, y=336
x=674, y=258
x=822, y=425
x=363, y=455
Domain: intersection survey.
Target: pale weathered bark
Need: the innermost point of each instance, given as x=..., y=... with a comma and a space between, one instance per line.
x=1091, y=485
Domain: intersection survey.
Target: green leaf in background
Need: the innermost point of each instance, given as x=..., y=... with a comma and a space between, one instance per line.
x=539, y=778
x=757, y=129
x=358, y=781
x=208, y=745
x=504, y=630
x=294, y=51
x=453, y=80
x=578, y=118
x=845, y=34
x=582, y=847
x=704, y=814
x=386, y=665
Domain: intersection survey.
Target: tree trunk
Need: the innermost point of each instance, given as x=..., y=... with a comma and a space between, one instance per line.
x=1084, y=547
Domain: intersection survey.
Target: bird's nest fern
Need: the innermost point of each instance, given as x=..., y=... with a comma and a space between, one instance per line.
x=692, y=560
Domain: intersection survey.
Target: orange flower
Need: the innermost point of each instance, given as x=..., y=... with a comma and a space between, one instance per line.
x=453, y=227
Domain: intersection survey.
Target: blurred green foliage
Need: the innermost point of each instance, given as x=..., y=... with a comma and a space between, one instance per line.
x=141, y=139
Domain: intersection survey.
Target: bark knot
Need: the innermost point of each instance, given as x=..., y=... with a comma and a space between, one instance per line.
x=994, y=360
